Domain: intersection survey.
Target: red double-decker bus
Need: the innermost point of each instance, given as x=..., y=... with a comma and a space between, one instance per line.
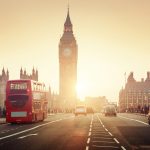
x=25, y=101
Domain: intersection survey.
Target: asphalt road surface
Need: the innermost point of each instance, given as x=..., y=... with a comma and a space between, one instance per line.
x=67, y=132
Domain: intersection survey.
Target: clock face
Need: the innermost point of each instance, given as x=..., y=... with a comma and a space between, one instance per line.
x=67, y=52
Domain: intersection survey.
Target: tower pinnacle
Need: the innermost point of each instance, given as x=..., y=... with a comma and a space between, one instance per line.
x=68, y=24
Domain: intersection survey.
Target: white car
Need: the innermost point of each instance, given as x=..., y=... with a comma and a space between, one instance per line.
x=80, y=110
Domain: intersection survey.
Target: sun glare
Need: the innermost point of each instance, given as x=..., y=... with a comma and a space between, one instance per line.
x=81, y=91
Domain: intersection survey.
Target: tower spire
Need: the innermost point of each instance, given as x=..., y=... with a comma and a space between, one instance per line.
x=68, y=24
x=68, y=6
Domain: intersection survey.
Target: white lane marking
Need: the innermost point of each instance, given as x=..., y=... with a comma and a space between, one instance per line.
x=88, y=141
x=104, y=135
x=22, y=137
x=92, y=120
x=103, y=142
x=1, y=138
x=89, y=134
x=4, y=131
x=87, y=147
x=116, y=140
x=106, y=146
x=90, y=130
x=106, y=129
x=99, y=120
x=104, y=126
x=13, y=129
x=110, y=134
x=123, y=148
x=106, y=138
x=133, y=120
x=98, y=129
x=99, y=132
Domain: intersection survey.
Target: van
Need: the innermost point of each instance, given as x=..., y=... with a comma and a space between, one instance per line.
x=109, y=111
x=80, y=110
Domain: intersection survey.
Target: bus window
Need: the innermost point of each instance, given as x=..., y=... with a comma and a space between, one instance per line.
x=18, y=100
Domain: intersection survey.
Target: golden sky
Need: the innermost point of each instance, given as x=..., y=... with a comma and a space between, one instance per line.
x=113, y=37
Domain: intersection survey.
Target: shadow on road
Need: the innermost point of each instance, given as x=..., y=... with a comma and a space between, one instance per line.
x=136, y=135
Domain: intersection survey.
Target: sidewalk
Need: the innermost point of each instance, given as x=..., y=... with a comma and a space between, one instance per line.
x=2, y=120
x=141, y=114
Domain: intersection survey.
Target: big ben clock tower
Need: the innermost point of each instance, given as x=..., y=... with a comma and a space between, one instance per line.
x=68, y=54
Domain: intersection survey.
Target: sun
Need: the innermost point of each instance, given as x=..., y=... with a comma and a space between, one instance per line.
x=81, y=90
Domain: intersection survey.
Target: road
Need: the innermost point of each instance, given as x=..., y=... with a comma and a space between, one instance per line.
x=67, y=132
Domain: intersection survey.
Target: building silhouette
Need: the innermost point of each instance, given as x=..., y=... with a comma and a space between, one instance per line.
x=136, y=94
x=4, y=77
x=96, y=103
x=68, y=54
x=32, y=76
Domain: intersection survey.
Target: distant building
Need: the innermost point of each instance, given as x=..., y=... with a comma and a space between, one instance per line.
x=4, y=77
x=49, y=98
x=33, y=76
x=96, y=103
x=55, y=103
x=136, y=94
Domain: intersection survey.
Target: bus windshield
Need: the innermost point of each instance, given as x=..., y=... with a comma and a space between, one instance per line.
x=18, y=100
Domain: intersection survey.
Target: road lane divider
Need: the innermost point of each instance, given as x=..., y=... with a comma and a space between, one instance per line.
x=122, y=147
x=99, y=132
x=106, y=129
x=110, y=134
x=30, y=129
x=104, y=142
x=5, y=131
x=88, y=140
x=22, y=137
x=133, y=120
x=87, y=148
x=114, y=147
x=116, y=140
x=105, y=138
x=98, y=135
x=89, y=134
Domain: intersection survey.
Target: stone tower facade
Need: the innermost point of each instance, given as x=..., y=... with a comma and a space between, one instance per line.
x=68, y=54
x=4, y=77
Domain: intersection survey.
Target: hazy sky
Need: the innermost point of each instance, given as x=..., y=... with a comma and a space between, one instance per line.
x=113, y=37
